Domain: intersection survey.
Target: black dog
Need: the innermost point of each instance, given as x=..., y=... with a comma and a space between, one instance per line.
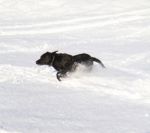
x=64, y=63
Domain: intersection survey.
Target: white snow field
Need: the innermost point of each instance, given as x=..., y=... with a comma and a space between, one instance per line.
x=111, y=100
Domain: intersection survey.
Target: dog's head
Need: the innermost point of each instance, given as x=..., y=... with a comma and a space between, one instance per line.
x=46, y=59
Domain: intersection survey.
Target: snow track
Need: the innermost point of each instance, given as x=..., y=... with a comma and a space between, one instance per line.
x=75, y=24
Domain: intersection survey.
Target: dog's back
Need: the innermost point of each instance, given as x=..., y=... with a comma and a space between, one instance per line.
x=86, y=59
x=81, y=58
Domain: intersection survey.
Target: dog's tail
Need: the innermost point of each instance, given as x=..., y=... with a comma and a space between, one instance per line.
x=98, y=61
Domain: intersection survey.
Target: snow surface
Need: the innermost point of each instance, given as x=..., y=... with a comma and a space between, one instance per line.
x=111, y=100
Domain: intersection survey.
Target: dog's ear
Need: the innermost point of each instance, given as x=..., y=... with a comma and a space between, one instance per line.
x=54, y=52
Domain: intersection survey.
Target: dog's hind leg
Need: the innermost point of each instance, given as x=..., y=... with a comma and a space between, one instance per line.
x=98, y=61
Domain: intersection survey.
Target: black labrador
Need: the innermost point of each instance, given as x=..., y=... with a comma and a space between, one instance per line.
x=64, y=63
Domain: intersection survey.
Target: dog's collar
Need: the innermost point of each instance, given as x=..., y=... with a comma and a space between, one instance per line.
x=52, y=60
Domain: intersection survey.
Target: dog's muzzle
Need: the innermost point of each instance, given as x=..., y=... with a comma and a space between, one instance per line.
x=38, y=62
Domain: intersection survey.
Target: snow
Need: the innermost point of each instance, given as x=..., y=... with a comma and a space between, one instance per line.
x=111, y=100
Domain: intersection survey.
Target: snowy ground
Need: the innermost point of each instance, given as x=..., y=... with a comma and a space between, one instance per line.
x=114, y=100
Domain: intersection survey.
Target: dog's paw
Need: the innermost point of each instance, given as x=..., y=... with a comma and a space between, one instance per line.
x=58, y=75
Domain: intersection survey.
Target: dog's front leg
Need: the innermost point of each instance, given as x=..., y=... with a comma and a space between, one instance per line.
x=60, y=74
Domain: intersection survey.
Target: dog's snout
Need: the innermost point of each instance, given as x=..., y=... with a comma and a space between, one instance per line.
x=37, y=62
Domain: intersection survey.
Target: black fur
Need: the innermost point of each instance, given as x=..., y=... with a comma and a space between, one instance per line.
x=64, y=63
